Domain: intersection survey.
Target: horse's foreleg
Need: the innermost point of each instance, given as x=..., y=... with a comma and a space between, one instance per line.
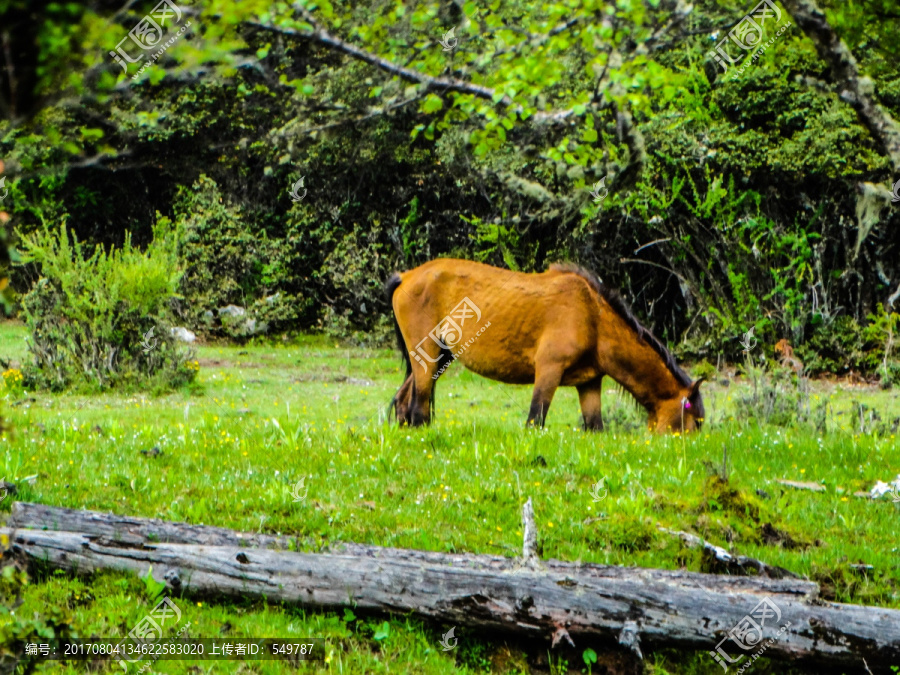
x=589, y=397
x=546, y=381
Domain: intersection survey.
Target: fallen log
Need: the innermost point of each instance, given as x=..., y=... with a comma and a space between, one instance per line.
x=642, y=609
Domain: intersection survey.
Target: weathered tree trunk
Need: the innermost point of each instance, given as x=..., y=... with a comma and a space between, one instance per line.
x=643, y=608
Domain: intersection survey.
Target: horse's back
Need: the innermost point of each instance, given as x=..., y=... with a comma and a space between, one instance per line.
x=509, y=319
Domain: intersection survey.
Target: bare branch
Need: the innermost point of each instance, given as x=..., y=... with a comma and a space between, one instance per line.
x=442, y=84
x=529, y=543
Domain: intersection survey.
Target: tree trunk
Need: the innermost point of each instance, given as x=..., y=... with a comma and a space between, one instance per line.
x=642, y=608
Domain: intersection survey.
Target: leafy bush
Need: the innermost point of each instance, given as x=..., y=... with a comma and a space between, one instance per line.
x=882, y=333
x=835, y=346
x=16, y=631
x=102, y=319
x=777, y=396
x=357, y=271
x=229, y=260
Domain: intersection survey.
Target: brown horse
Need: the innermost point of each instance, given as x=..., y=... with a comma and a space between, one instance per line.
x=558, y=328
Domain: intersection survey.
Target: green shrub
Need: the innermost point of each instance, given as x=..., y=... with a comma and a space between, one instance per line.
x=357, y=269
x=18, y=630
x=881, y=335
x=102, y=319
x=705, y=369
x=835, y=346
x=777, y=395
x=230, y=260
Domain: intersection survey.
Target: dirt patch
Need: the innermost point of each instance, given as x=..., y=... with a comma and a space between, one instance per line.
x=772, y=536
x=213, y=363
x=222, y=363
x=329, y=377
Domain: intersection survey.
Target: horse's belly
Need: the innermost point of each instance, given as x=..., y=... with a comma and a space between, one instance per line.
x=501, y=374
x=503, y=365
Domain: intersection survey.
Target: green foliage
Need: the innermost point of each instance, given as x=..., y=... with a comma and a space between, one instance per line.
x=152, y=587
x=494, y=243
x=777, y=396
x=834, y=347
x=226, y=263
x=102, y=318
x=16, y=630
x=881, y=334
x=704, y=369
x=218, y=250
x=382, y=632
x=357, y=272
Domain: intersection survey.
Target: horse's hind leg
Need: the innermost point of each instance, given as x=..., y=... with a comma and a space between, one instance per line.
x=546, y=381
x=589, y=397
x=423, y=381
x=403, y=401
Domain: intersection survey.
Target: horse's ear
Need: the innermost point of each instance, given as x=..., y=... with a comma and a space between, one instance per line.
x=695, y=388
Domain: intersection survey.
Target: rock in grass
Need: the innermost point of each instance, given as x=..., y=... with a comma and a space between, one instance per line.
x=152, y=452
x=232, y=311
x=183, y=335
x=798, y=485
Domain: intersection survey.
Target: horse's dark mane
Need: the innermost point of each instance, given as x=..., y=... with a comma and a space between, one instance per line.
x=620, y=307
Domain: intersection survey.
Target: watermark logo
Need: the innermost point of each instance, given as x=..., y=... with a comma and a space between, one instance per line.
x=150, y=628
x=300, y=491
x=748, y=34
x=295, y=191
x=447, y=334
x=148, y=34
x=599, y=491
x=446, y=638
x=895, y=198
x=149, y=342
x=449, y=40
x=6, y=191
x=598, y=186
x=748, y=342
x=747, y=634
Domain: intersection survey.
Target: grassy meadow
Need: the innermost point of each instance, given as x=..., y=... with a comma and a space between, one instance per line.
x=229, y=450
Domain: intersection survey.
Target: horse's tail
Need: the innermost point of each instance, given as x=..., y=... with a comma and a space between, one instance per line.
x=389, y=288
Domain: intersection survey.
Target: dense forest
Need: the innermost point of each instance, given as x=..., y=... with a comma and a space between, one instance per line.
x=726, y=165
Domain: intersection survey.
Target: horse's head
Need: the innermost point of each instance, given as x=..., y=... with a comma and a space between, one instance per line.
x=681, y=413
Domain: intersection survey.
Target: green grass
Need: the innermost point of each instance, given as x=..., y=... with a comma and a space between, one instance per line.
x=264, y=416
